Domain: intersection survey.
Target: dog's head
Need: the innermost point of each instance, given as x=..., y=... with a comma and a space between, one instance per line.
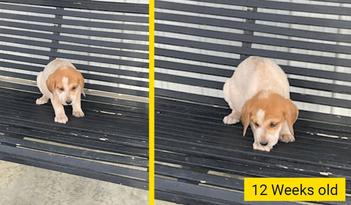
x=66, y=84
x=266, y=113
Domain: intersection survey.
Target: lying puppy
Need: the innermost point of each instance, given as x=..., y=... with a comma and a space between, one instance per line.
x=63, y=84
x=258, y=94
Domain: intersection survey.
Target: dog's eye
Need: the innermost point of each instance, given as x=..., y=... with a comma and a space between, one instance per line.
x=74, y=87
x=61, y=89
x=256, y=124
x=273, y=125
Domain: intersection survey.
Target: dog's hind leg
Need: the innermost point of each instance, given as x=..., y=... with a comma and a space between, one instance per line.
x=43, y=99
x=234, y=116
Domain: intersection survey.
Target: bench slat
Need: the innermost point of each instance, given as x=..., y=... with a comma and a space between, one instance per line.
x=88, y=4
x=105, y=70
x=281, y=18
x=47, y=36
x=289, y=6
x=206, y=58
x=229, y=24
x=67, y=164
x=192, y=144
x=86, y=154
x=92, y=50
x=138, y=18
x=70, y=22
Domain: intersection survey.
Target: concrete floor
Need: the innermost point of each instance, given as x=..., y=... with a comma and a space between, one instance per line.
x=25, y=185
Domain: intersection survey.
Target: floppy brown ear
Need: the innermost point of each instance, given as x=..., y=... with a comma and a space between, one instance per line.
x=81, y=82
x=51, y=82
x=290, y=114
x=246, y=113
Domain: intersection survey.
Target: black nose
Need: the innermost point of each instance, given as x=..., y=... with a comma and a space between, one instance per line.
x=68, y=102
x=263, y=143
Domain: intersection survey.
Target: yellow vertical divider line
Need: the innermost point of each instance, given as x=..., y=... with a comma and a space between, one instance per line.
x=151, y=102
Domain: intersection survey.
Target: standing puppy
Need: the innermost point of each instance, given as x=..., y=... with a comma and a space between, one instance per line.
x=258, y=94
x=63, y=84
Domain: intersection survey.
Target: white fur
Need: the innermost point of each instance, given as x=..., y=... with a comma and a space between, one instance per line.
x=251, y=76
x=248, y=79
x=259, y=131
x=62, y=96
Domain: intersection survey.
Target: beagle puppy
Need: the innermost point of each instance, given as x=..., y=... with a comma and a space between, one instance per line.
x=258, y=95
x=63, y=84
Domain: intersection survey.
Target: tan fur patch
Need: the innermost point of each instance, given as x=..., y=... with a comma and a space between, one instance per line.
x=55, y=80
x=276, y=110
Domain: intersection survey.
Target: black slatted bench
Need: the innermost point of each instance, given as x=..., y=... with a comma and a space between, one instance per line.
x=107, y=41
x=199, y=160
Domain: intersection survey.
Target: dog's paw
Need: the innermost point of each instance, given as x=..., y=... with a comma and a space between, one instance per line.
x=41, y=101
x=287, y=138
x=78, y=113
x=61, y=119
x=230, y=120
x=259, y=147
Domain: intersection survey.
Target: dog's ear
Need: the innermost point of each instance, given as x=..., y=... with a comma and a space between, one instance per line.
x=290, y=114
x=246, y=113
x=81, y=82
x=51, y=82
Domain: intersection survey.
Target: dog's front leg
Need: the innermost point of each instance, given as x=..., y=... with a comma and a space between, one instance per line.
x=77, y=109
x=257, y=146
x=60, y=115
x=232, y=118
x=285, y=135
x=42, y=100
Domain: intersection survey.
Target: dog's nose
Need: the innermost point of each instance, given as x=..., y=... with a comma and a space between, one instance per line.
x=263, y=143
x=68, y=102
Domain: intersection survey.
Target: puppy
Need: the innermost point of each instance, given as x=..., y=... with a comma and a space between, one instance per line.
x=63, y=84
x=258, y=95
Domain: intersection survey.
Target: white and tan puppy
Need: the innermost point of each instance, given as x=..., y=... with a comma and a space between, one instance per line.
x=63, y=84
x=258, y=94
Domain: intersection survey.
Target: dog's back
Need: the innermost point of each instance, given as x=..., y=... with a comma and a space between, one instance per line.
x=253, y=75
x=54, y=65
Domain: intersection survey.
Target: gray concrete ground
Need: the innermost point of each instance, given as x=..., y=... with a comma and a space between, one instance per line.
x=26, y=185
